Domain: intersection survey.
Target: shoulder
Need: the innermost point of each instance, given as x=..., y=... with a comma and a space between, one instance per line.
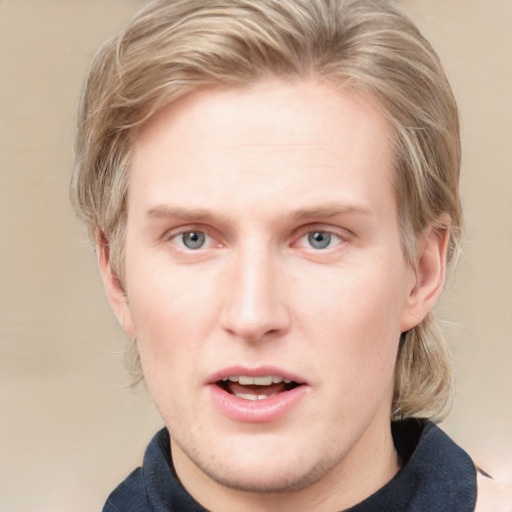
x=130, y=495
x=493, y=495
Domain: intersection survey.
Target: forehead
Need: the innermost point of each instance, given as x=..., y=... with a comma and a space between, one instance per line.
x=302, y=140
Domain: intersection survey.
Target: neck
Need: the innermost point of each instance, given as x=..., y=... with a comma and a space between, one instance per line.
x=370, y=464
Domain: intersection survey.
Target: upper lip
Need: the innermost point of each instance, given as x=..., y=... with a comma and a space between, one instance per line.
x=258, y=371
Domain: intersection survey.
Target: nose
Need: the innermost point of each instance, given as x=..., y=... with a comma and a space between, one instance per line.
x=254, y=306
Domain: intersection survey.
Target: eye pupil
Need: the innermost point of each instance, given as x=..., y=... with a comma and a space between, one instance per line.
x=193, y=239
x=319, y=239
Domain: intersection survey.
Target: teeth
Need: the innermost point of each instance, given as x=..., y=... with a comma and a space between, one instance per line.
x=257, y=381
x=252, y=397
x=266, y=380
x=247, y=397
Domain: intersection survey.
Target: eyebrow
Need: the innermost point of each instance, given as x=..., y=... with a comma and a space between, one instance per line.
x=325, y=211
x=163, y=211
x=331, y=210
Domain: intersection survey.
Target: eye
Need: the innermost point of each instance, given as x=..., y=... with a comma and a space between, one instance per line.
x=319, y=240
x=192, y=240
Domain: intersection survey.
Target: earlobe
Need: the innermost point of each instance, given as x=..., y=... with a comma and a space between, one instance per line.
x=113, y=287
x=429, y=275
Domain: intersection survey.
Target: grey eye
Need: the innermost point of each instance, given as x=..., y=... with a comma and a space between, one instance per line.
x=193, y=239
x=319, y=239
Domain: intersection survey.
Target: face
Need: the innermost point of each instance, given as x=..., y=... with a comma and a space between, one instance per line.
x=266, y=283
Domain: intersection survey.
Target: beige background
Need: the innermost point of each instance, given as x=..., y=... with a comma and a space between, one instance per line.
x=69, y=430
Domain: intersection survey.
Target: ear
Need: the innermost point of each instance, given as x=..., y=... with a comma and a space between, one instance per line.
x=113, y=286
x=428, y=277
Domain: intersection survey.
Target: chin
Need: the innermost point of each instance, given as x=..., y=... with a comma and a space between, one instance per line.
x=267, y=481
x=269, y=468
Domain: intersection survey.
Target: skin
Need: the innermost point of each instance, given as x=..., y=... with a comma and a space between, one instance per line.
x=258, y=169
x=493, y=495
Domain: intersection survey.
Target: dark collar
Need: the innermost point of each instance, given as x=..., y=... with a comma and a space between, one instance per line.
x=437, y=475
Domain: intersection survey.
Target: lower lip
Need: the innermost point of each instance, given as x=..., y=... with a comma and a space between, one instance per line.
x=257, y=411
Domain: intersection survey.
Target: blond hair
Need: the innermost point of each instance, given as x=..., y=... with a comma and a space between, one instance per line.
x=173, y=47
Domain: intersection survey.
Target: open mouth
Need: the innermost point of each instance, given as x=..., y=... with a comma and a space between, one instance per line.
x=256, y=388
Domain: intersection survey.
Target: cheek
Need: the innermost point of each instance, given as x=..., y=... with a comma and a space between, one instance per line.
x=355, y=320
x=165, y=328
x=171, y=311
x=359, y=298
x=161, y=295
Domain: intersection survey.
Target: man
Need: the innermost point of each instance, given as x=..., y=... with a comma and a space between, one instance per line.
x=273, y=191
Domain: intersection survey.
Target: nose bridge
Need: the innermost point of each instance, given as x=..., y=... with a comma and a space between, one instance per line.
x=255, y=306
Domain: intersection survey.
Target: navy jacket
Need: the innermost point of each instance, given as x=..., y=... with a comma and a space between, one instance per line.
x=437, y=476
